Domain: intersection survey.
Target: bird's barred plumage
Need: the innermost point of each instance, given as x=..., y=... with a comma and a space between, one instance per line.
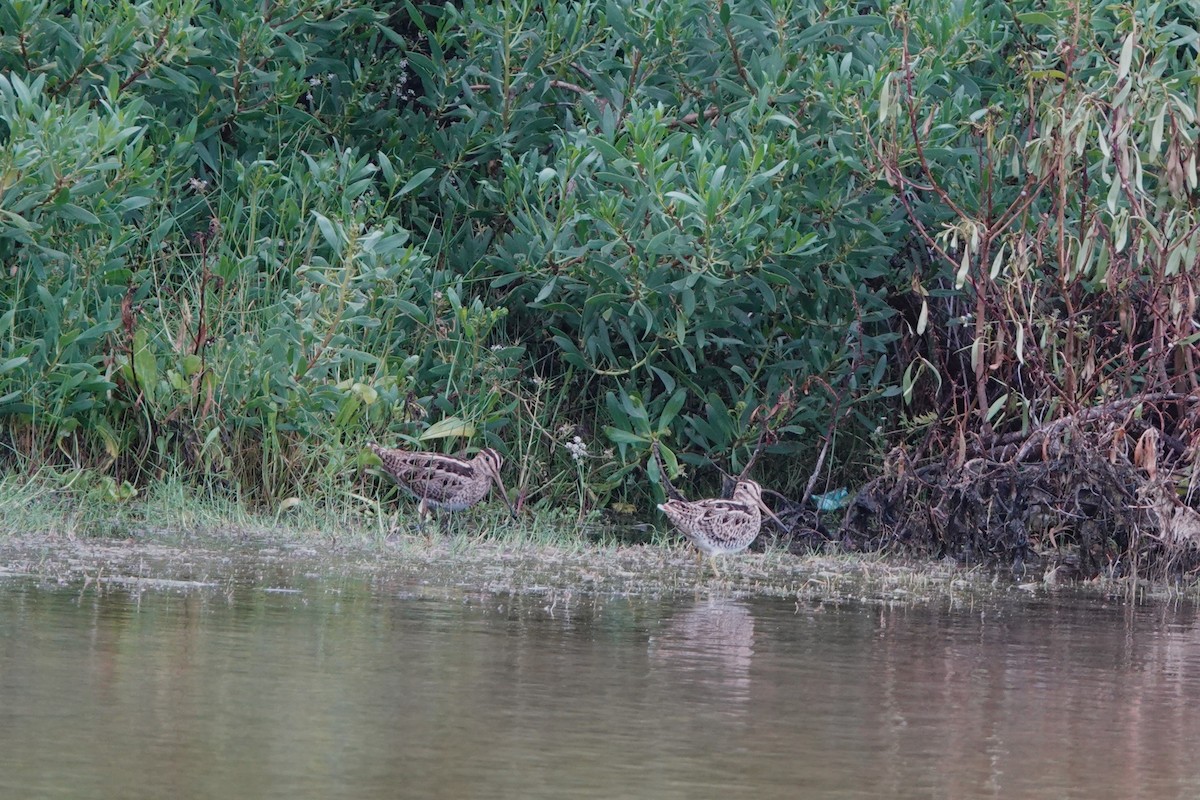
x=718, y=526
x=442, y=481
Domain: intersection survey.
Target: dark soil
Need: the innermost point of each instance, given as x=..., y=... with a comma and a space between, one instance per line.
x=1106, y=493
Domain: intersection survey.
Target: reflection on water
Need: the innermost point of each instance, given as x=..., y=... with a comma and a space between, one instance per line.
x=709, y=646
x=352, y=689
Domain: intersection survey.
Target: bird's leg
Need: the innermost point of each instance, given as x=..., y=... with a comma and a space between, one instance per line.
x=394, y=528
x=713, y=560
x=423, y=517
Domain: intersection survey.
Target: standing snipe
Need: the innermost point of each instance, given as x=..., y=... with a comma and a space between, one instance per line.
x=716, y=526
x=447, y=482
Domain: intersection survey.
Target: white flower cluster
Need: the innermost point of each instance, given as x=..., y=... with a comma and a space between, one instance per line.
x=577, y=448
x=402, y=90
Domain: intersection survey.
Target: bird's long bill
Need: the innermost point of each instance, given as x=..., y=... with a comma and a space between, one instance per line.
x=771, y=514
x=504, y=495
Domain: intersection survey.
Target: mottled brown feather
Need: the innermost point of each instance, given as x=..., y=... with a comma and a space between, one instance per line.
x=717, y=526
x=443, y=481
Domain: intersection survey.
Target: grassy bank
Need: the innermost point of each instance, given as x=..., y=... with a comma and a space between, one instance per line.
x=64, y=530
x=889, y=247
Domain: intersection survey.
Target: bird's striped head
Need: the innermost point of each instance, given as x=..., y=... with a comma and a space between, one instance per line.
x=748, y=491
x=490, y=461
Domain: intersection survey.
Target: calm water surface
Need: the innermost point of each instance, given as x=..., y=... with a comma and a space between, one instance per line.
x=370, y=689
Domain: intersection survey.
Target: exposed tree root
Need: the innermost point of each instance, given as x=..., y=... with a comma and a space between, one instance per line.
x=1106, y=492
x=805, y=532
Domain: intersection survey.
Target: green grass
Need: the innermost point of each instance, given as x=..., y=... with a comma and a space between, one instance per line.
x=80, y=525
x=85, y=518
x=86, y=504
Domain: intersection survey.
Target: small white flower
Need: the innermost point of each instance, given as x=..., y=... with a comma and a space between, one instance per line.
x=577, y=448
x=314, y=81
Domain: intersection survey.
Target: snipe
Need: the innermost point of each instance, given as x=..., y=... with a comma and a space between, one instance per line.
x=718, y=527
x=441, y=481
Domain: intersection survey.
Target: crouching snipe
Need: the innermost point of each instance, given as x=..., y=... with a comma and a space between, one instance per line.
x=718, y=527
x=444, y=482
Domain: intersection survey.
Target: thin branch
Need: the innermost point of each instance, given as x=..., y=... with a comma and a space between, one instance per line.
x=672, y=492
x=149, y=59
x=910, y=104
x=1091, y=414
x=737, y=56
x=574, y=87
x=712, y=112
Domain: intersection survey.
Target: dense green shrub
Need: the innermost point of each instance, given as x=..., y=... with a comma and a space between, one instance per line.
x=658, y=199
x=240, y=238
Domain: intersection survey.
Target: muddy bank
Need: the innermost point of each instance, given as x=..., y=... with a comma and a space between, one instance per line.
x=211, y=562
x=1106, y=494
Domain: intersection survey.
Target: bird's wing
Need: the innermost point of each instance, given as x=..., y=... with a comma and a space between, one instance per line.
x=704, y=513
x=426, y=475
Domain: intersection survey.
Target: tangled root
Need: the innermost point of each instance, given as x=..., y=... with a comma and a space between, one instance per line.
x=1083, y=497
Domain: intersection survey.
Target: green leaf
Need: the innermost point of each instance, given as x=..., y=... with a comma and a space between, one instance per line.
x=671, y=410
x=133, y=203
x=1126, y=59
x=609, y=153
x=1036, y=18
x=385, y=166
x=329, y=232
x=72, y=211
x=636, y=409
x=860, y=21
x=144, y=362
x=13, y=363
x=448, y=428
x=669, y=460
x=415, y=181
x=294, y=49
x=624, y=437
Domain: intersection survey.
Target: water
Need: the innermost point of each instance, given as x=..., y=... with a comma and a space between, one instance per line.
x=375, y=688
